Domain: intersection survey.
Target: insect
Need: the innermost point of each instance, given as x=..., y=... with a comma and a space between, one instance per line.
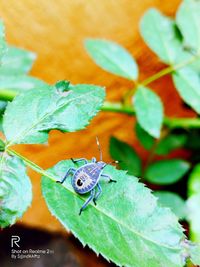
x=86, y=178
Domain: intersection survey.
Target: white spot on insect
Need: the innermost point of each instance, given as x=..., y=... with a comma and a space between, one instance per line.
x=85, y=178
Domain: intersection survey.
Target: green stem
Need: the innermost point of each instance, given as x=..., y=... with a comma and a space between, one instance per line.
x=31, y=164
x=169, y=70
x=169, y=122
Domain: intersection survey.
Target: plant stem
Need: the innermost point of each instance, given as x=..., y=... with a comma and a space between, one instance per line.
x=30, y=164
x=169, y=122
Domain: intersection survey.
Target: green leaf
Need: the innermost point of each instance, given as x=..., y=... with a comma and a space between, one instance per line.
x=33, y=113
x=112, y=58
x=149, y=110
x=16, y=61
x=125, y=226
x=193, y=215
x=187, y=82
x=126, y=155
x=170, y=142
x=15, y=189
x=162, y=36
x=165, y=172
x=193, y=203
x=194, y=250
x=2, y=145
x=2, y=40
x=172, y=201
x=20, y=83
x=188, y=21
x=194, y=181
x=145, y=139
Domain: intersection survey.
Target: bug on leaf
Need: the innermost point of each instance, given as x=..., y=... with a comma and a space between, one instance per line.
x=86, y=178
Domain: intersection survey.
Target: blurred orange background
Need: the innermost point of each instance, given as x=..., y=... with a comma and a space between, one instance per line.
x=55, y=31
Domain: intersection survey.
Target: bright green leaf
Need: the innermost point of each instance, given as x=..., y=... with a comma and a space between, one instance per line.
x=32, y=114
x=2, y=40
x=172, y=201
x=188, y=20
x=125, y=226
x=145, y=139
x=126, y=155
x=112, y=57
x=162, y=36
x=165, y=172
x=16, y=61
x=2, y=145
x=15, y=190
x=187, y=82
x=149, y=110
x=194, y=181
x=193, y=215
x=170, y=142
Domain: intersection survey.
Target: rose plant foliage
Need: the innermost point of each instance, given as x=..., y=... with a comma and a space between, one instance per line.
x=136, y=227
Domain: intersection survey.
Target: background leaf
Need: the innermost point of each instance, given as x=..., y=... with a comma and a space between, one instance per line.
x=16, y=61
x=149, y=110
x=187, y=82
x=126, y=155
x=188, y=21
x=15, y=189
x=165, y=172
x=125, y=226
x=172, y=201
x=194, y=250
x=170, y=142
x=112, y=57
x=193, y=203
x=146, y=140
x=162, y=36
x=35, y=112
x=2, y=40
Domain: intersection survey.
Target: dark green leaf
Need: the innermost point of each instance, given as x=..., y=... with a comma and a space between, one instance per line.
x=145, y=139
x=188, y=20
x=172, y=201
x=126, y=155
x=33, y=113
x=162, y=36
x=112, y=57
x=125, y=226
x=187, y=82
x=165, y=172
x=2, y=145
x=15, y=189
x=149, y=110
x=170, y=142
x=16, y=61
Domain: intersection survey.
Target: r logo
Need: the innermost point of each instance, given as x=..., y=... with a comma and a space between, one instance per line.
x=14, y=240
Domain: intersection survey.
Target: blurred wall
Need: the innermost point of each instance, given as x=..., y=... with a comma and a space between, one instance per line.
x=55, y=31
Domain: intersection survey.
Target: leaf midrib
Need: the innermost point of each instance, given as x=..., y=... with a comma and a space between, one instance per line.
x=114, y=219
x=26, y=132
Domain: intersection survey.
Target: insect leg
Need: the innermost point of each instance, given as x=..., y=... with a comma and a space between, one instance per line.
x=97, y=194
x=108, y=176
x=70, y=170
x=87, y=201
x=78, y=160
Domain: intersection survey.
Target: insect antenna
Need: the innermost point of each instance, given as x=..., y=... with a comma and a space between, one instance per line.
x=99, y=148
